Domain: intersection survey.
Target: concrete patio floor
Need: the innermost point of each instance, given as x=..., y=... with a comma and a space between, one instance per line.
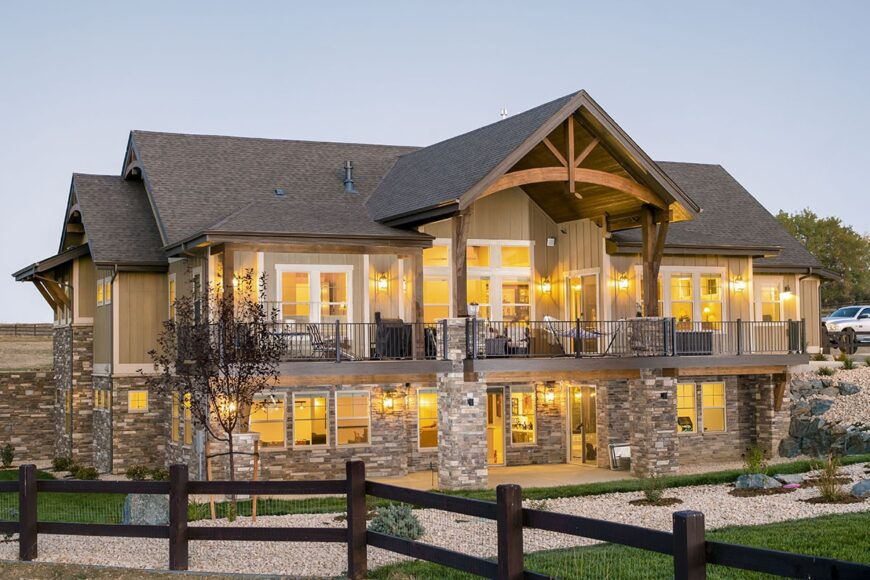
x=525, y=475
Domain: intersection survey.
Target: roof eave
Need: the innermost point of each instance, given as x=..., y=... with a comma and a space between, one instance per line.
x=754, y=251
x=28, y=272
x=821, y=272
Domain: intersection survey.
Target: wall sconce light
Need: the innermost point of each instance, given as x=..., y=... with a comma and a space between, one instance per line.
x=382, y=282
x=786, y=293
x=473, y=309
x=622, y=282
x=546, y=286
x=235, y=282
x=389, y=401
x=550, y=395
x=739, y=284
x=404, y=283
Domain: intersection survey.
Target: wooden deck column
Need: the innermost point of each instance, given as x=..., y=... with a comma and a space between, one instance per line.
x=417, y=304
x=654, y=228
x=460, y=225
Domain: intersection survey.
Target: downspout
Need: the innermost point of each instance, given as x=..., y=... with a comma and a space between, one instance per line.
x=112, y=369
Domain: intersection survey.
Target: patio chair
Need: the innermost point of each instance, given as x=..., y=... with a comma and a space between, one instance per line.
x=326, y=348
x=571, y=332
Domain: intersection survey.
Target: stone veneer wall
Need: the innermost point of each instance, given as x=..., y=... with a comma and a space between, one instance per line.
x=614, y=417
x=27, y=414
x=73, y=367
x=62, y=351
x=138, y=438
x=103, y=428
x=550, y=431
x=653, y=419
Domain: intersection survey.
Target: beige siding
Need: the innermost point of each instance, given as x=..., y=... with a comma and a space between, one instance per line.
x=580, y=246
x=103, y=327
x=809, y=307
x=142, y=309
x=86, y=292
x=385, y=301
x=546, y=263
x=501, y=216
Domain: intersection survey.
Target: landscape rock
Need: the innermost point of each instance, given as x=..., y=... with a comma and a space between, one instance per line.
x=789, y=447
x=789, y=477
x=820, y=406
x=757, y=481
x=830, y=391
x=800, y=408
x=861, y=489
x=146, y=509
x=848, y=389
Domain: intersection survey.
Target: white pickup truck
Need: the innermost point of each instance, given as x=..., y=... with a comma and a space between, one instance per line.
x=848, y=328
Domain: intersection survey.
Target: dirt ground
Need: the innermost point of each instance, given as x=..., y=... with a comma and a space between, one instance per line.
x=25, y=352
x=42, y=571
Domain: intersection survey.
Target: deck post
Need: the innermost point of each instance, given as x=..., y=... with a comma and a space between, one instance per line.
x=577, y=338
x=178, y=553
x=509, y=520
x=27, y=534
x=690, y=556
x=739, y=337
x=357, y=559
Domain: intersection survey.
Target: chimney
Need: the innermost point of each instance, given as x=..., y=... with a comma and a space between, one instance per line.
x=348, y=177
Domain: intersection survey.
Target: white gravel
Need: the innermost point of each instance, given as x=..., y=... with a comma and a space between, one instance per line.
x=851, y=409
x=470, y=535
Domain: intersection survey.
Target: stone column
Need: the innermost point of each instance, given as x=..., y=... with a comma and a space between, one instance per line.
x=461, y=419
x=73, y=366
x=653, y=412
x=771, y=426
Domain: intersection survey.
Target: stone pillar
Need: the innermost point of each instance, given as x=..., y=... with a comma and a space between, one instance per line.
x=461, y=419
x=73, y=366
x=653, y=418
x=771, y=426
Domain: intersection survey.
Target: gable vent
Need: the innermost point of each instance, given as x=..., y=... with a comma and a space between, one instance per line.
x=348, y=177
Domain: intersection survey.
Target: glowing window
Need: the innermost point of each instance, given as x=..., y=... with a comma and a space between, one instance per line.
x=267, y=419
x=687, y=413
x=107, y=292
x=523, y=415
x=478, y=291
x=188, y=420
x=100, y=292
x=137, y=401
x=353, y=418
x=176, y=417
x=515, y=257
x=436, y=299
x=713, y=412
x=427, y=418
x=310, y=419
x=436, y=256
x=477, y=256
x=295, y=296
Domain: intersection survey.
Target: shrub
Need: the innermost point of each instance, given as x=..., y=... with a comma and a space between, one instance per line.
x=828, y=484
x=397, y=520
x=7, y=454
x=848, y=363
x=826, y=371
x=819, y=356
x=73, y=469
x=159, y=474
x=653, y=488
x=87, y=473
x=61, y=463
x=754, y=461
x=137, y=472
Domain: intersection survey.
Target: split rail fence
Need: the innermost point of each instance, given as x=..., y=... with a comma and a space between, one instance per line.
x=687, y=545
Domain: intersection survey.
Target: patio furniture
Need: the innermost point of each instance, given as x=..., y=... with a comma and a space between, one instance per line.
x=392, y=338
x=326, y=348
x=572, y=332
x=496, y=346
x=694, y=342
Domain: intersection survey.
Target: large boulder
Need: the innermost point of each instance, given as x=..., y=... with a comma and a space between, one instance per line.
x=861, y=489
x=146, y=509
x=856, y=442
x=820, y=406
x=800, y=408
x=801, y=426
x=787, y=478
x=848, y=389
x=757, y=481
x=789, y=447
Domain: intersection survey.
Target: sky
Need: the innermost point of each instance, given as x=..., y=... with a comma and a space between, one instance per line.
x=775, y=91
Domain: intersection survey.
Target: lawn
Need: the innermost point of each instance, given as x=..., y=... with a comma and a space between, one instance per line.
x=843, y=537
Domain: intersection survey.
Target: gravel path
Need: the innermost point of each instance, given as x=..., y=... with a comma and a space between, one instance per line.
x=470, y=535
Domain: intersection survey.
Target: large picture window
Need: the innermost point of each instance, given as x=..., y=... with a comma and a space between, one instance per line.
x=427, y=418
x=687, y=410
x=693, y=296
x=353, y=418
x=713, y=411
x=523, y=421
x=310, y=419
x=267, y=419
x=315, y=293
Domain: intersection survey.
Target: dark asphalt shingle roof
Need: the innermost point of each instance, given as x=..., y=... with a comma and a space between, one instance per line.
x=203, y=183
x=444, y=171
x=731, y=217
x=118, y=220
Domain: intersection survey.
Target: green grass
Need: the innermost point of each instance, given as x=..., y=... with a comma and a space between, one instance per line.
x=843, y=537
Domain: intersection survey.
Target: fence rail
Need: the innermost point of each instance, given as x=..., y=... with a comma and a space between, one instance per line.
x=687, y=545
x=632, y=337
x=27, y=329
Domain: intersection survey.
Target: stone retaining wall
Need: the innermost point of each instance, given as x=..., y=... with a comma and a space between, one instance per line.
x=27, y=410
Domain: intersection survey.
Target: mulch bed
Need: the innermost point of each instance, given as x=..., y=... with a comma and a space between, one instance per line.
x=665, y=501
x=847, y=498
x=759, y=492
x=814, y=481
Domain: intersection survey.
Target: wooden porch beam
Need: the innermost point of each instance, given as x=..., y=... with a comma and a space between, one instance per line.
x=572, y=169
x=461, y=225
x=555, y=152
x=654, y=236
x=585, y=153
x=581, y=175
x=45, y=294
x=57, y=293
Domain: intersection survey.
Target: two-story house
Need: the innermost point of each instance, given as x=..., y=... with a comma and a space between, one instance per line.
x=534, y=291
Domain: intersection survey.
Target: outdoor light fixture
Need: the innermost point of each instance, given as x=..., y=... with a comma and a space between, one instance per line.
x=383, y=282
x=404, y=284
x=622, y=282
x=739, y=284
x=786, y=293
x=389, y=401
x=473, y=309
x=546, y=286
x=550, y=395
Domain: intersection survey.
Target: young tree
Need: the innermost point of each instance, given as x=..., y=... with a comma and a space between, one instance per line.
x=221, y=349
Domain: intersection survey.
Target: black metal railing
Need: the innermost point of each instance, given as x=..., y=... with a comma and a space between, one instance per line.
x=631, y=337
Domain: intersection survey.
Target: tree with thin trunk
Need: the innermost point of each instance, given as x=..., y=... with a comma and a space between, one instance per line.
x=217, y=352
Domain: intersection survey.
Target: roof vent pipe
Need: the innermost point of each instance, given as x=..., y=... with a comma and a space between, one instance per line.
x=348, y=177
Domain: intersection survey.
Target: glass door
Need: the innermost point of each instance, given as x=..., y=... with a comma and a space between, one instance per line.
x=583, y=424
x=583, y=292
x=495, y=426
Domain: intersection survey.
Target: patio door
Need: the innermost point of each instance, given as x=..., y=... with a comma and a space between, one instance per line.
x=495, y=426
x=582, y=424
x=583, y=305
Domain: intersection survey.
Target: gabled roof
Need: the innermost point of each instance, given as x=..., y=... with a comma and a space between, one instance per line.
x=452, y=172
x=208, y=183
x=118, y=221
x=732, y=220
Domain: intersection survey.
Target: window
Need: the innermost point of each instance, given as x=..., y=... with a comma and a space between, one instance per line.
x=176, y=418
x=137, y=401
x=522, y=415
x=687, y=410
x=693, y=296
x=682, y=306
x=515, y=301
x=438, y=256
x=100, y=292
x=314, y=293
x=352, y=418
x=436, y=299
x=516, y=257
x=267, y=419
x=427, y=418
x=771, y=302
x=310, y=419
x=478, y=291
x=107, y=292
x=171, y=295
x=713, y=412
x=188, y=420
x=477, y=256
x=711, y=301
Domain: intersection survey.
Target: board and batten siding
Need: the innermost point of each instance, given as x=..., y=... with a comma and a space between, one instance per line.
x=500, y=216
x=86, y=287
x=809, y=308
x=103, y=327
x=142, y=300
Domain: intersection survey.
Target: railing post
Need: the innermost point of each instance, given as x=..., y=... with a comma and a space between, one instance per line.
x=577, y=338
x=673, y=336
x=27, y=535
x=690, y=556
x=357, y=559
x=178, y=554
x=739, y=336
x=444, y=340
x=509, y=520
x=803, y=331
x=337, y=341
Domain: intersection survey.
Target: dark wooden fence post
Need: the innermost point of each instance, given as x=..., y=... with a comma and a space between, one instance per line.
x=178, y=555
x=690, y=557
x=357, y=559
x=27, y=538
x=509, y=519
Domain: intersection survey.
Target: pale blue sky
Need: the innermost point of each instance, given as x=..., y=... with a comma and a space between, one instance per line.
x=777, y=92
